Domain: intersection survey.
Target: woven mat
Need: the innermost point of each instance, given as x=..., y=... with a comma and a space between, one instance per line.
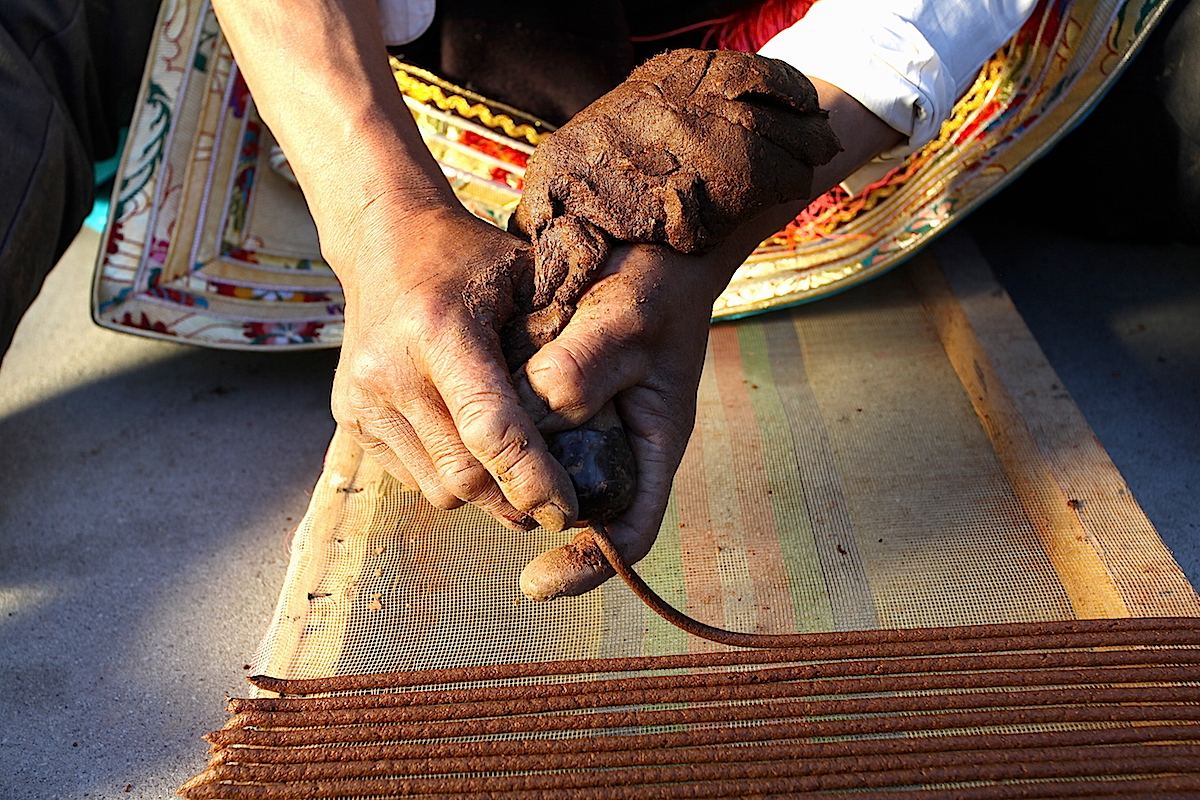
x=872, y=470
x=902, y=457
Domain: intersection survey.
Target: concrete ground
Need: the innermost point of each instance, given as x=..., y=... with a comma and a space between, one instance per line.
x=148, y=490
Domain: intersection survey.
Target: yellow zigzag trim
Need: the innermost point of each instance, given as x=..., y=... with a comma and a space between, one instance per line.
x=992, y=73
x=428, y=93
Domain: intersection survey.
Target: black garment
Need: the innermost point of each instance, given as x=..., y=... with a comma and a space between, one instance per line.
x=550, y=58
x=505, y=51
x=69, y=73
x=1131, y=170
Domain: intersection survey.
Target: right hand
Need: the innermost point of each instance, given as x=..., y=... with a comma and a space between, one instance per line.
x=637, y=339
x=422, y=383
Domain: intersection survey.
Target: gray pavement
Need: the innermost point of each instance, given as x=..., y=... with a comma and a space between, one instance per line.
x=147, y=491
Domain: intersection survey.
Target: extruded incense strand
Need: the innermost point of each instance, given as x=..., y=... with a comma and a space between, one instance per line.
x=713, y=634
x=736, y=761
x=978, y=677
x=771, y=738
x=435, y=715
x=680, y=782
x=1171, y=786
x=1143, y=736
x=887, y=644
x=1174, y=787
x=1135, y=787
x=938, y=720
x=594, y=693
x=1144, y=761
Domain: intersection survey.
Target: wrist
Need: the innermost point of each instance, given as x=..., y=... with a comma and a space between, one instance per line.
x=385, y=237
x=374, y=193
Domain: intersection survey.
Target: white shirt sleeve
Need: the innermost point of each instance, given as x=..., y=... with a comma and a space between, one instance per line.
x=907, y=61
x=405, y=20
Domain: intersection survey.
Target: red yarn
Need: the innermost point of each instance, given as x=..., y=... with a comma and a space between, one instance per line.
x=745, y=30
x=751, y=28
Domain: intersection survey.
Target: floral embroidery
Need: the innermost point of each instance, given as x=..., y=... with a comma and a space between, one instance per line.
x=150, y=155
x=277, y=333
x=145, y=324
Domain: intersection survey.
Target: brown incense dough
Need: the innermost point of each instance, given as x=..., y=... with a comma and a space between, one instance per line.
x=692, y=145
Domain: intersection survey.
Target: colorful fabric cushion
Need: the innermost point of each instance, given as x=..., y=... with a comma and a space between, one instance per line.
x=208, y=242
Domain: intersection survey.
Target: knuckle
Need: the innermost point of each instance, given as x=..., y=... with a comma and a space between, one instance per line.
x=442, y=499
x=502, y=450
x=383, y=455
x=636, y=320
x=376, y=449
x=387, y=425
x=436, y=331
x=435, y=493
x=464, y=477
x=478, y=419
x=561, y=361
x=562, y=376
x=366, y=370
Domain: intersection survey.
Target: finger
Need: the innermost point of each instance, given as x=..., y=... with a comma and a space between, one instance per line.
x=658, y=446
x=597, y=355
x=460, y=472
x=388, y=438
x=659, y=425
x=389, y=461
x=566, y=571
x=483, y=404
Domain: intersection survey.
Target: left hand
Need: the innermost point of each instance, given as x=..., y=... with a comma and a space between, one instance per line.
x=638, y=337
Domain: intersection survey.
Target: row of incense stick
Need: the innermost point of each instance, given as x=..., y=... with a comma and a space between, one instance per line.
x=1081, y=709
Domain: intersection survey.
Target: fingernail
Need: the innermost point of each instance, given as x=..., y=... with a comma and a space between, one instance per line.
x=551, y=516
x=534, y=404
x=566, y=571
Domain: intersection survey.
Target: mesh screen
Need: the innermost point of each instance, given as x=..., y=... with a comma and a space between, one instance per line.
x=902, y=457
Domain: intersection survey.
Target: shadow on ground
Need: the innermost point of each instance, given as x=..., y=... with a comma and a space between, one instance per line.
x=144, y=521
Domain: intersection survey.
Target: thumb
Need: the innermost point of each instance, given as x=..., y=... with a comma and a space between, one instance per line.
x=569, y=380
x=579, y=566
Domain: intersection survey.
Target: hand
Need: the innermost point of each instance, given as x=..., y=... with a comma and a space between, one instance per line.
x=637, y=337
x=422, y=384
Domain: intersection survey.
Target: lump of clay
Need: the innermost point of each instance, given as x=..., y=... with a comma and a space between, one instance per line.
x=691, y=146
x=600, y=463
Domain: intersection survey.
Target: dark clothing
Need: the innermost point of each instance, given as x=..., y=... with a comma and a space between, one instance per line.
x=550, y=58
x=1131, y=170
x=69, y=73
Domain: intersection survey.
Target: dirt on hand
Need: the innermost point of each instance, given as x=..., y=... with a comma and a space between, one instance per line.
x=692, y=145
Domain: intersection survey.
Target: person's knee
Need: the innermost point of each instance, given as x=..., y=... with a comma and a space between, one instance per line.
x=45, y=181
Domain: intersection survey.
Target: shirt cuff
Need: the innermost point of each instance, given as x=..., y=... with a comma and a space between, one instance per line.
x=877, y=57
x=405, y=20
